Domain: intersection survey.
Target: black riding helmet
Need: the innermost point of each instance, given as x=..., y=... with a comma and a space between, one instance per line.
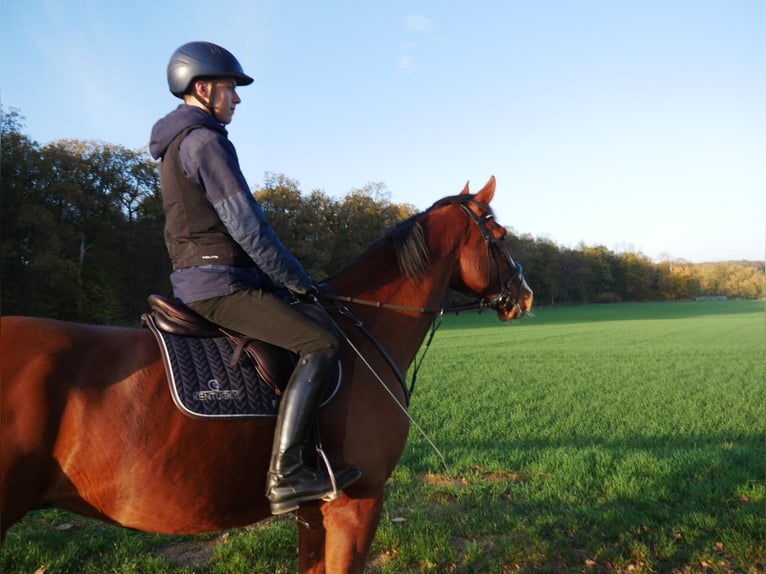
x=202, y=59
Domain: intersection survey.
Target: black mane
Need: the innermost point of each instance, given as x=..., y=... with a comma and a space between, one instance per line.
x=410, y=246
x=409, y=240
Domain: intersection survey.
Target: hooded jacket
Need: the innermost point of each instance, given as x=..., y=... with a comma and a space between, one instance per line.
x=217, y=235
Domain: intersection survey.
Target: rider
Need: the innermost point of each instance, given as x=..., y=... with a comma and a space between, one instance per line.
x=228, y=264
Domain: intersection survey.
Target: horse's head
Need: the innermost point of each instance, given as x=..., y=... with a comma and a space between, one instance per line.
x=485, y=266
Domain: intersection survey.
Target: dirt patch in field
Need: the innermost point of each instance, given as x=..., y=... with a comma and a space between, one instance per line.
x=442, y=480
x=476, y=471
x=188, y=553
x=500, y=476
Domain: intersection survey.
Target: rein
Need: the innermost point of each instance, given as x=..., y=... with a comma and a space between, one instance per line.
x=479, y=305
x=344, y=311
x=503, y=299
x=437, y=322
x=381, y=305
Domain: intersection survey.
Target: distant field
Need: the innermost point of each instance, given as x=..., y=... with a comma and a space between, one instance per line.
x=613, y=438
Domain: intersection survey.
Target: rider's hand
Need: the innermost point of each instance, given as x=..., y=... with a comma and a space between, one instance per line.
x=310, y=296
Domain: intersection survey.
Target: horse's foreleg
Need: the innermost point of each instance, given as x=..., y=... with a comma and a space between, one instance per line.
x=350, y=524
x=311, y=537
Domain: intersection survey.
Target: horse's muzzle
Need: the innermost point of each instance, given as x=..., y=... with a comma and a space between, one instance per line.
x=515, y=307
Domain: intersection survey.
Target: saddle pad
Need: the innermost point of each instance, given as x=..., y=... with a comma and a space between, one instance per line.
x=204, y=384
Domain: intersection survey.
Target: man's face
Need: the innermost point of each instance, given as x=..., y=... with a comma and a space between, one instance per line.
x=225, y=98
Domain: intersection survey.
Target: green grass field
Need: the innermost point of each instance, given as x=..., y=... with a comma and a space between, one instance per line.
x=613, y=438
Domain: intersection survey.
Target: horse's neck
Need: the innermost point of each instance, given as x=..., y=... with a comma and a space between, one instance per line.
x=406, y=304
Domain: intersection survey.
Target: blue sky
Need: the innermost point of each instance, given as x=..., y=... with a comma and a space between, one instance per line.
x=639, y=125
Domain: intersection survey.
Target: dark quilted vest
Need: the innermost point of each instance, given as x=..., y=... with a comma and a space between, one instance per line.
x=194, y=234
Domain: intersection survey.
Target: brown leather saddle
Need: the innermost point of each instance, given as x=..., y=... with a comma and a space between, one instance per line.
x=272, y=363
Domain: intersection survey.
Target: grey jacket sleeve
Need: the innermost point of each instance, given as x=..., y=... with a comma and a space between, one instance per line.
x=247, y=224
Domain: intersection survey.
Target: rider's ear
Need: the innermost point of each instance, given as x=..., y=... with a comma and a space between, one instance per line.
x=201, y=88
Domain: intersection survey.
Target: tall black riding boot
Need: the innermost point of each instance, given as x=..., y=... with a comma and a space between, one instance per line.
x=289, y=481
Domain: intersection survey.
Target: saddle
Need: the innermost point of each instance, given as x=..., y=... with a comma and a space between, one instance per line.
x=274, y=364
x=216, y=373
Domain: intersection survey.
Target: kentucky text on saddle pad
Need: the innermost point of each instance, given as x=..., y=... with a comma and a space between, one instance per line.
x=210, y=378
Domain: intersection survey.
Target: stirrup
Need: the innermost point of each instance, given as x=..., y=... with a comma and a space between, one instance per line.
x=335, y=494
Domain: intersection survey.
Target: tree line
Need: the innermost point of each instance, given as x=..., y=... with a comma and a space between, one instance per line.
x=81, y=238
x=594, y=274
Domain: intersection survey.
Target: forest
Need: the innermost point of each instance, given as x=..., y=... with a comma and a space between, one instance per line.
x=81, y=238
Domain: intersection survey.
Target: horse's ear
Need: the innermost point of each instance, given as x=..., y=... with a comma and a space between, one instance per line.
x=465, y=189
x=487, y=192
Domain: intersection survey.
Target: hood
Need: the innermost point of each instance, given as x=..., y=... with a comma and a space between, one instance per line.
x=184, y=116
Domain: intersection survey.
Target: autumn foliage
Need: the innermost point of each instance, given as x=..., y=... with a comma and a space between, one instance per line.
x=81, y=238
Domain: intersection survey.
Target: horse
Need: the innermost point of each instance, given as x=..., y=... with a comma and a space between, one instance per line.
x=88, y=425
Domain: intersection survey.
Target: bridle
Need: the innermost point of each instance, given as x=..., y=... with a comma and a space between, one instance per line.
x=497, y=254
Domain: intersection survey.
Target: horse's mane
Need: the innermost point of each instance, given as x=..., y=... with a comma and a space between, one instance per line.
x=409, y=240
x=409, y=243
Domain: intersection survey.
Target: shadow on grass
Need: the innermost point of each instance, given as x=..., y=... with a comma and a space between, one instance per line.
x=669, y=504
